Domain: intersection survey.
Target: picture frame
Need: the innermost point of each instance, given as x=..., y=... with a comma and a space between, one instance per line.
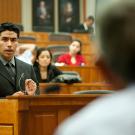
x=69, y=15
x=43, y=15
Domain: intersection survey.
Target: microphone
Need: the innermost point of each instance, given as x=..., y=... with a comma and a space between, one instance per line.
x=20, y=79
x=52, y=88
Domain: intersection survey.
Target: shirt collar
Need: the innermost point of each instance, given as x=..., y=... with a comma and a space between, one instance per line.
x=85, y=26
x=4, y=62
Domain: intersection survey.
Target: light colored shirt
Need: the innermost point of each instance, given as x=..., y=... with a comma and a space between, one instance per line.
x=111, y=115
x=85, y=27
x=26, y=57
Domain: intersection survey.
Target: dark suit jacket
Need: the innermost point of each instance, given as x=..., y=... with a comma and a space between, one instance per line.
x=7, y=86
x=81, y=28
x=52, y=72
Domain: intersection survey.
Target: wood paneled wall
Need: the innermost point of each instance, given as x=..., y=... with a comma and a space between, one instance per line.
x=10, y=10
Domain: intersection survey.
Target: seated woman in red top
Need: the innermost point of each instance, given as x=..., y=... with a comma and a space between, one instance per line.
x=73, y=57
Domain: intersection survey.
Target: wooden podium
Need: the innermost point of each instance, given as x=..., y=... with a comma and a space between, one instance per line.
x=38, y=115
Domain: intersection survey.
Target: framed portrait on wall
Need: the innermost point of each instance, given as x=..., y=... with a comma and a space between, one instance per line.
x=69, y=15
x=43, y=15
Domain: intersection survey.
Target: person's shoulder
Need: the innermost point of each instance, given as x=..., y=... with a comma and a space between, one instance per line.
x=80, y=56
x=18, y=61
x=36, y=67
x=64, y=55
x=108, y=110
x=52, y=67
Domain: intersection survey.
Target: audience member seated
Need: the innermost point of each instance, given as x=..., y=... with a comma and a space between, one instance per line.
x=26, y=53
x=43, y=68
x=86, y=26
x=73, y=57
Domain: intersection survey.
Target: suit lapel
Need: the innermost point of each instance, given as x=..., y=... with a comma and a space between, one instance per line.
x=5, y=73
x=19, y=72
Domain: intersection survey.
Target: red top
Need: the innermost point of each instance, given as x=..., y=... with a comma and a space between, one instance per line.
x=66, y=58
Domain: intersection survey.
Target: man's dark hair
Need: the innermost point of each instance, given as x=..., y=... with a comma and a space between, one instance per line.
x=117, y=35
x=11, y=27
x=91, y=18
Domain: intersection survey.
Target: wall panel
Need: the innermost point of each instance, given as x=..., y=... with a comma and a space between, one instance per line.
x=10, y=10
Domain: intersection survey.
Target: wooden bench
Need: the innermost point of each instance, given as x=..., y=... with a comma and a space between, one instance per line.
x=62, y=88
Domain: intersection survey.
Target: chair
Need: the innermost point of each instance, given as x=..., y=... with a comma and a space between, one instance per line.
x=68, y=77
x=55, y=56
x=71, y=73
x=60, y=37
x=93, y=92
x=58, y=48
x=27, y=39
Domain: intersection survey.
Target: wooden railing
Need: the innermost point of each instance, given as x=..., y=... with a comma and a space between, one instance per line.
x=62, y=88
x=89, y=74
x=38, y=115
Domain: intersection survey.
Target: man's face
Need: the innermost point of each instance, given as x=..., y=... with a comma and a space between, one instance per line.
x=89, y=22
x=8, y=44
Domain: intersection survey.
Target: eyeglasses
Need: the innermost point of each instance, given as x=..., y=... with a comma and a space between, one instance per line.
x=6, y=39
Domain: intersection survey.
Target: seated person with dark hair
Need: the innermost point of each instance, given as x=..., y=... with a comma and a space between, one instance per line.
x=86, y=26
x=16, y=77
x=73, y=57
x=43, y=68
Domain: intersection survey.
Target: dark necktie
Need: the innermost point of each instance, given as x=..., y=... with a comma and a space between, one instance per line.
x=10, y=71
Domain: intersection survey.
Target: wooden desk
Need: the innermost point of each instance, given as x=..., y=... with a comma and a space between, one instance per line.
x=89, y=74
x=38, y=115
x=70, y=88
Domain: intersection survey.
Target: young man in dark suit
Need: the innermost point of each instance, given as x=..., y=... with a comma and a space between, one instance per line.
x=16, y=77
x=86, y=26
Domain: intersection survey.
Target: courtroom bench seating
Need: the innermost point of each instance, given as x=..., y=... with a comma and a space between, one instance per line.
x=89, y=74
x=42, y=40
x=63, y=88
x=44, y=36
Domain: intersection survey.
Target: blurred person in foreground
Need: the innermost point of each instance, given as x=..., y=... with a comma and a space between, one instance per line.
x=113, y=114
x=16, y=77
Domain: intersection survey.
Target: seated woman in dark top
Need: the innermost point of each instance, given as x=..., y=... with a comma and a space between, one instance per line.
x=44, y=70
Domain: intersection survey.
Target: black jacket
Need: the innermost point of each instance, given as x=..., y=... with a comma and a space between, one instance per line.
x=52, y=72
x=23, y=71
x=81, y=28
